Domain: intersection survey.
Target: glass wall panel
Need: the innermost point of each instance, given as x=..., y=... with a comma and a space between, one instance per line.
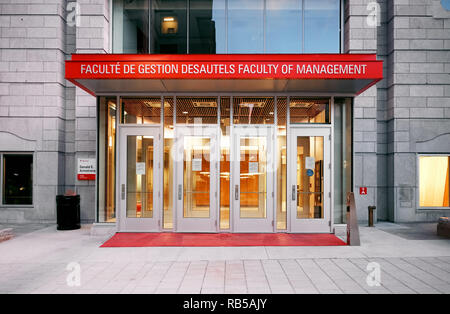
x=309, y=110
x=252, y=110
x=310, y=184
x=17, y=179
x=168, y=26
x=197, y=110
x=207, y=27
x=141, y=110
x=140, y=150
x=107, y=159
x=434, y=187
x=197, y=177
x=168, y=162
x=322, y=26
x=226, y=26
x=245, y=26
x=130, y=26
x=253, y=177
x=282, y=163
x=225, y=143
x=283, y=26
x=343, y=152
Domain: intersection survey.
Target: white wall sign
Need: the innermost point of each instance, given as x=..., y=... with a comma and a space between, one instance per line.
x=86, y=168
x=196, y=164
x=310, y=163
x=140, y=168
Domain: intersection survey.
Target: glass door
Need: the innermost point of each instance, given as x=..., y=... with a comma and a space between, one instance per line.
x=310, y=181
x=197, y=178
x=140, y=179
x=253, y=173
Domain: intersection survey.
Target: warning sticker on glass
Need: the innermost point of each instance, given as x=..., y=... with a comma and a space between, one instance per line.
x=253, y=167
x=197, y=164
x=310, y=163
x=140, y=168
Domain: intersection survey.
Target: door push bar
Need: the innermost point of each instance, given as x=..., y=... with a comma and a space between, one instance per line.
x=236, y=192
x=123, y=192
x=294, y=191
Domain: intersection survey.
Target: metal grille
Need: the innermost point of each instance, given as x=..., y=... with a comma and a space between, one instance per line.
x=197, y=110
x=253, y=110
x=282, y=111
x=306, y=110
x=141, y=110
x=168, y=111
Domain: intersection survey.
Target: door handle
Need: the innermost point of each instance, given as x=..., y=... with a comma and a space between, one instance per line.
x=123, y=192
x=294, y=192
x=180, y=191
x=236, y=192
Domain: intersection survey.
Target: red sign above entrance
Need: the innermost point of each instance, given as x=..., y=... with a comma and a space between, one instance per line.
x=224, y=67
x=216, y=69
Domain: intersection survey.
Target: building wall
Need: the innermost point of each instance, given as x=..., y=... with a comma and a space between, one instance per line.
x=33, y=98
x=92, y=36
x=405, y=114
x=418, y=104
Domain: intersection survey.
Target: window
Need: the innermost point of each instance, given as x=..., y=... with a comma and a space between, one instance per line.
x=168, y=26
x=245, y=26
x=434, y=174
x=17, y=181
x=141, y=110
x=322, y=26
x=284, y=26
x=314, y=111
x=343, y=157
x=207, y=26
x=226, y=26
x=107, y=159
x=130, y=26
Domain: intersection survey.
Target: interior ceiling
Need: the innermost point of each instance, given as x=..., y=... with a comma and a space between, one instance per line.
x=116, y=86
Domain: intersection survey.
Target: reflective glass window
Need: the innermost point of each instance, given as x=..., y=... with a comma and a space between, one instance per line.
x=168, y=26
x=284, y=26
x=322, y=26
x=245, y=26
x=207, y=30
x=130, y=26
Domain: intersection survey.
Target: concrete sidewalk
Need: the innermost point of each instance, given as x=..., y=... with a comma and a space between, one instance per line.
x=37, y=262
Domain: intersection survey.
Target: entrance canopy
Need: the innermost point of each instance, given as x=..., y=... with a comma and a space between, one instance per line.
x=334, y=74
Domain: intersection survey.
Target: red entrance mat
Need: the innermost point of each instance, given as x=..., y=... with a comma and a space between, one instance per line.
x=221, y=239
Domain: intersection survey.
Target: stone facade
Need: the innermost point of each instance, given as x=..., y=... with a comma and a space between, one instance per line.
x=405, y=114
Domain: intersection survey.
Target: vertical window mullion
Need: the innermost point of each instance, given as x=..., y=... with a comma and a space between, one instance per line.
x=226, y=26
x=264, y=24
x=149, y=11
x=188, y=19
x=303, y=26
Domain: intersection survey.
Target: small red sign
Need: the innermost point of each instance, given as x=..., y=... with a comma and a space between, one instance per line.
x=363, y=191
x=86, y=177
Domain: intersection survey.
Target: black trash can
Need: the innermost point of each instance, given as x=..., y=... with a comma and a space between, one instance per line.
x=68, y=212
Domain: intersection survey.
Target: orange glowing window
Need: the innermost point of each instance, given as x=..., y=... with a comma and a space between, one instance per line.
x=434, y=181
